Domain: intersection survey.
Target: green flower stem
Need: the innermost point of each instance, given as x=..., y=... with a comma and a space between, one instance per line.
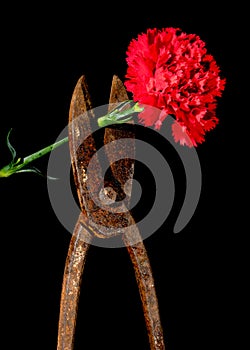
x=16, y=166
x=44, y=151
x=118, y=115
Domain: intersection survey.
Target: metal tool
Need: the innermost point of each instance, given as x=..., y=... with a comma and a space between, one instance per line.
x=99, y=221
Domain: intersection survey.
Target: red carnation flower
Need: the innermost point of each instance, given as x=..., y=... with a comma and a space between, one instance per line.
x=172, y=71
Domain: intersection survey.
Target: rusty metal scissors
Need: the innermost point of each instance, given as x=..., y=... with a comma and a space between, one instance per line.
x=98, y=221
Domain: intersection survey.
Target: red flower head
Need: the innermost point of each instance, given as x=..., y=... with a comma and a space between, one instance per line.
x=172, y=71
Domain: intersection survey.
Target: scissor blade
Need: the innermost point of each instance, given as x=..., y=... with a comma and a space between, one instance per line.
x=118, y=92
x=123, y=170
x=82, y=144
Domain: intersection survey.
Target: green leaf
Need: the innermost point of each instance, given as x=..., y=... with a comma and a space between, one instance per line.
x=11, y=148
x=30, y=170
x=36, y=171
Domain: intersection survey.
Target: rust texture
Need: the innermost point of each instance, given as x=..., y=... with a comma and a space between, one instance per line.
x=124, y=169
x=146, y=286
x=82, y=149
x=74, y=266
x=78, y=127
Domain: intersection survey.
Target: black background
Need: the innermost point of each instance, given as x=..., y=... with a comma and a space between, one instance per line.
x=44, y=51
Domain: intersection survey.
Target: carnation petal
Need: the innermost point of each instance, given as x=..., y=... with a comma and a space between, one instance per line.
x=172, y=71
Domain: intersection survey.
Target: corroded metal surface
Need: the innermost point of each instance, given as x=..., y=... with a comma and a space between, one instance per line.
x=71, y=286
x=92, y=220
x=146, y=285
x=82, y=149
x=124, y=169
